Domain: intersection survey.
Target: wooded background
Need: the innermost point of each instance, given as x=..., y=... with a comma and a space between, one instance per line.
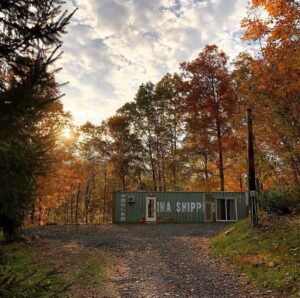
x=185, y=132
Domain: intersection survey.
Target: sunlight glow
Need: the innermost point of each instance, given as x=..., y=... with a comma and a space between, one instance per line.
x=66, y=133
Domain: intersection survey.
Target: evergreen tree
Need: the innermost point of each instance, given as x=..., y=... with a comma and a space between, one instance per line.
x=29, y=41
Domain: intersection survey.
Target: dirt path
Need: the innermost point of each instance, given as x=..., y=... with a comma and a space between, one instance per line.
x=155, y=260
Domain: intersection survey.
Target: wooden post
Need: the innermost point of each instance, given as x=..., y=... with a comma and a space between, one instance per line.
x=251, y=172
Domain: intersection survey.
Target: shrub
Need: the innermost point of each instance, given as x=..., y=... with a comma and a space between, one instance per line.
x=280, y=201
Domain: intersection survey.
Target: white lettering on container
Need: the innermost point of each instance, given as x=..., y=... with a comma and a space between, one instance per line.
x=168, y=207
x=162, y=206
x=193, y=206
x=198, y=206
x=188, y=207
x=178, y=209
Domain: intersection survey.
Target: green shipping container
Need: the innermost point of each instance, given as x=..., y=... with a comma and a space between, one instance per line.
x=179, y=207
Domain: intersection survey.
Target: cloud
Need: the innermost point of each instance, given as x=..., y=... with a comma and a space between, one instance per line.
x=113, y=46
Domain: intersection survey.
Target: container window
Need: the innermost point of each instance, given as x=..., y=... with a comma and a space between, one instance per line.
x=221, y=209
x=226, y=209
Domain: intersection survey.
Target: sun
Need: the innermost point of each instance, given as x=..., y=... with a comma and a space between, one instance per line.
x=66, y=133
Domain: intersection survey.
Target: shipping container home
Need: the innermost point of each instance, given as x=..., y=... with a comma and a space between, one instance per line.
x=179, y=207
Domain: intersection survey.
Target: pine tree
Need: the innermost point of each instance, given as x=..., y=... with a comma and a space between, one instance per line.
x=29, y=41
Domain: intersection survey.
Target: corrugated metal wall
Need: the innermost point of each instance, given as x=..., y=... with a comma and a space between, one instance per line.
x=176, y=207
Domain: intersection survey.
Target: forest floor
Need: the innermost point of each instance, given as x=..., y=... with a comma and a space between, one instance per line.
x=169, y=260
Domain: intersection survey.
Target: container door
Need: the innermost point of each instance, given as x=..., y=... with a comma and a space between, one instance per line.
x=150, y=209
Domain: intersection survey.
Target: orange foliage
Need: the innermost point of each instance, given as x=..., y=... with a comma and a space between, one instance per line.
x=281, y=25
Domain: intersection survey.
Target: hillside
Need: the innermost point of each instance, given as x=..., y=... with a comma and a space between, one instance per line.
x=269, y=256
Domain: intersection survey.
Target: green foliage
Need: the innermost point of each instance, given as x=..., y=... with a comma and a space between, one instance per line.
x=280, y=201
x=156, y=123
x=25, y=146
x=28, y=99
x=269, y=256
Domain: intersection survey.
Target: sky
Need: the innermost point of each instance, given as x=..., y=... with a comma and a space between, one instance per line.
x=113, y=46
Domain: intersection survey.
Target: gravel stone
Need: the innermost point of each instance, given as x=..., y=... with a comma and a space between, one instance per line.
x=163, y=260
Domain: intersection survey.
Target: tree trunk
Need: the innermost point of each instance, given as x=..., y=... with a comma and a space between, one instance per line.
x=140, y=180
x=86, y=200
x=220, y=149
x=40, y=210
x=163, y=184
x=152, y=167
x=163, y=175
x=32, y=213
x=158, y=155
x=241, y=183
x=205, y=166
x=48, y=212
x=71, y=207
x=123, y=178
x=104, y=194
x=77, y=204
x=174, y=166
x=295, y=171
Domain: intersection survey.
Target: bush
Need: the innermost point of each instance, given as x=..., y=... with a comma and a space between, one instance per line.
x=280, y=201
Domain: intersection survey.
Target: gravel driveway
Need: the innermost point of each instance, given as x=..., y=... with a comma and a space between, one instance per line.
x=167, y=260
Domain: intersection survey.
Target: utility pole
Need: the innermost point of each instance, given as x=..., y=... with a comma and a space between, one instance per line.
x=251, y=173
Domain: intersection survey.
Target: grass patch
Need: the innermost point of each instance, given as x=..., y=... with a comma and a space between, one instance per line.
x=22, y=276
x=94, y=270
x=269, y=255
x=51, y=269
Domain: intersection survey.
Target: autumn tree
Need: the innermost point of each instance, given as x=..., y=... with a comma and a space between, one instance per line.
x=211, y=105
x=269, y=83
x=50, y=185
x=97, y=152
